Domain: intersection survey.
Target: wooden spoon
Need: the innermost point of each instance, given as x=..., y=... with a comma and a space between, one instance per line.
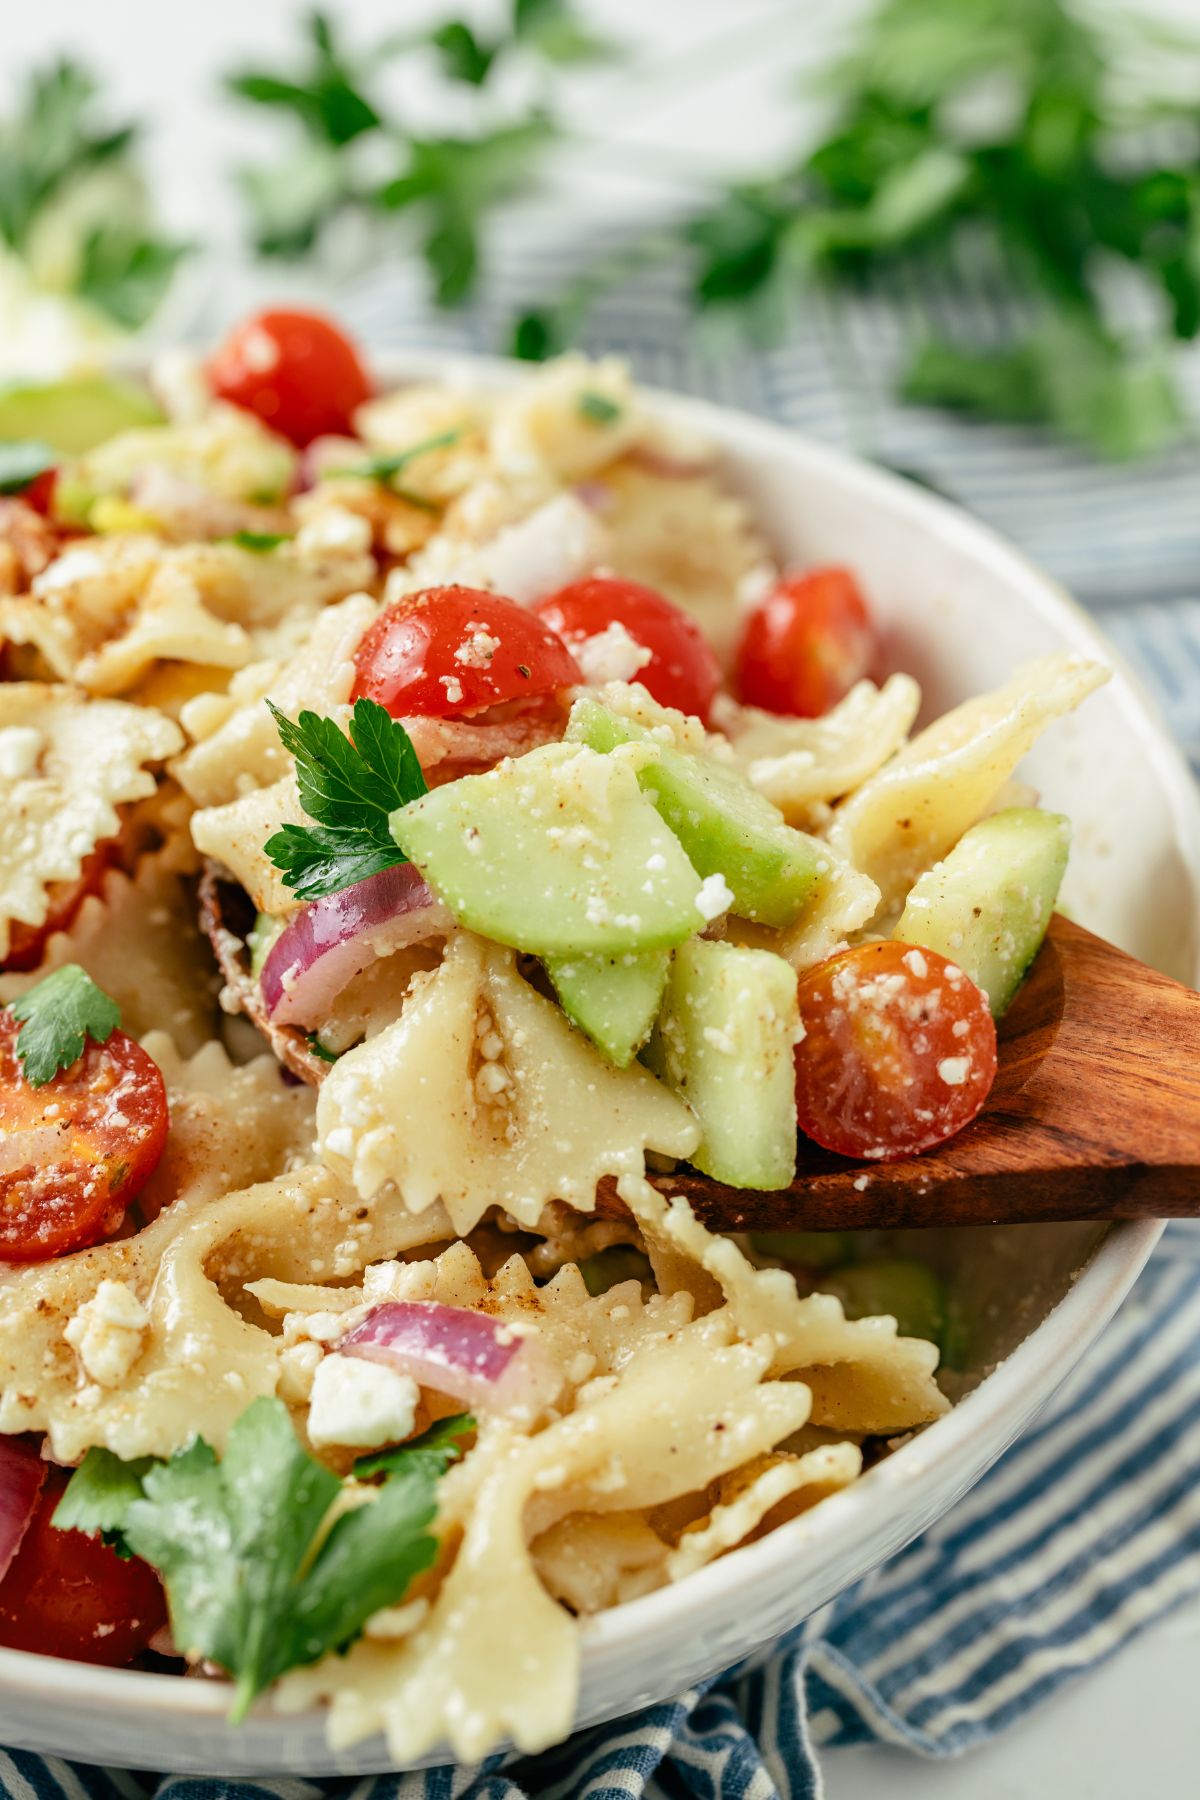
x=1095, y=1114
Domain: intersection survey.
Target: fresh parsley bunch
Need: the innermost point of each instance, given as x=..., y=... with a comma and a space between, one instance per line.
x=254, y=1581
x=72, y=203
x=1023, y=146
x=356, y=155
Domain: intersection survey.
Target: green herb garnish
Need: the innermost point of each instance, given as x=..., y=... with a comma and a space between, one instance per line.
x=598, y=408
x=318, y=1048
x=22, y=463
x=259, y=541
x=348, y=786
x=57, y=1017
x=388, y=464
x=254, y=1582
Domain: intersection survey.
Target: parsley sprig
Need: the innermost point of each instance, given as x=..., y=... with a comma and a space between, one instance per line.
x=63, y=166
x=1023, y=146
x=355, y=155
x=254, y=1581
x=58, y=1016
x=348, y=786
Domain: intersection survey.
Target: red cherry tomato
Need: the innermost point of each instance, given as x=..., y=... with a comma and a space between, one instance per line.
x=27, y=943
x=683, y=670
x=67, y=1594
x=74, y=1153
x=898, y=1052
x=806, y=644
x=452, y=651
x=40, y=492
x=295, y=370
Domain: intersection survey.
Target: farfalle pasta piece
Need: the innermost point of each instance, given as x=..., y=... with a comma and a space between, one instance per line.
x=107, y=611
x=67, y=764
x=915, y=809
x=138, y=939
x=235, y=741
x=801, y=764
x=673, y=1418
x=516, y=1107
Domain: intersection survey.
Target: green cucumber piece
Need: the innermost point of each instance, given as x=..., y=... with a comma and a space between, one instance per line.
x=614, y=999
x=556, y=853
x=909, y=1291
x=808, y=1249
x=725, y=825
x=987, y=905
x=724, y=1041
x=75, y=415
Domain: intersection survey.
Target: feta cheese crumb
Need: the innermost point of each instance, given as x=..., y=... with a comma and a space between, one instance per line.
x=915, y=961
x=20, y=747
x=611, y=655
x=954, y=1070
x=336, y=531
x=108, y=1333
x=714, y=897
x=360, y=1404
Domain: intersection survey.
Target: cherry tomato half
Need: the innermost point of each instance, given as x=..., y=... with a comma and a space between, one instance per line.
x=67, y=1594
x=452, y=651
x=74, y=1153
x=898, y=1051
x=683, y=670
x=806, y=644
x=295, y=370
x=40, y=492
x=27, y=943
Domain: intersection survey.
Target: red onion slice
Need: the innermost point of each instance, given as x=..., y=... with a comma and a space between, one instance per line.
x=330, y=940
x=470, y=1356
x=22, y=1473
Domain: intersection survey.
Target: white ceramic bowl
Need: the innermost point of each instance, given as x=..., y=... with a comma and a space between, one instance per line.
x=960, y=610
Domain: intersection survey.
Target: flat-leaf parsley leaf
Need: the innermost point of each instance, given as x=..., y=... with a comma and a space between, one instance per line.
x=348, y=786
x=254, y=1582
x=57, y=1018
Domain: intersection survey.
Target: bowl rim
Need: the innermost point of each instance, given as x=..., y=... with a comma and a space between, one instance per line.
x=1040, y=1362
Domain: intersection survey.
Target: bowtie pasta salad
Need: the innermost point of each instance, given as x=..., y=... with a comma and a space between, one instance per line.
x=429, y=819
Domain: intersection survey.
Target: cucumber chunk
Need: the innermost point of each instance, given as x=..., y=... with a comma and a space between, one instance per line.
x=909, y=1291
x=724, y=1041
x=808, y=1249
x=725, y=825
x=555, y=852
x=614, y=999
x=987, y=905
x=75, y=415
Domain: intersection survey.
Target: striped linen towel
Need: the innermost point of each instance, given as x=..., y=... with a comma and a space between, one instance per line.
x=1088, y=1529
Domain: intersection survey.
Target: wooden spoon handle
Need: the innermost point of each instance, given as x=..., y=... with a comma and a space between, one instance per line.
x=1095, y=1114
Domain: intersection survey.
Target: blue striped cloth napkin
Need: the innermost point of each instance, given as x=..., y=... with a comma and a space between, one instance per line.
x=1088, y=1530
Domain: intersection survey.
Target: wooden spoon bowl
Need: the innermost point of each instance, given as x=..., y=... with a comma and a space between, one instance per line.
x=1094, y=1114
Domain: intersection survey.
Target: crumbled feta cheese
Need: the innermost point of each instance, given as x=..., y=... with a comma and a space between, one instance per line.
x=714, y=897
x=477, y=651
x=453, y=687
x=611, y=655
x=360, y=1404
x=108, y=1333
x=914, y=960
x=20, y=747
x=337, y=530
x=954, y=1070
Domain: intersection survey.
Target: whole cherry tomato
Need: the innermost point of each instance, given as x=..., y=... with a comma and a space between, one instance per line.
x=452, y=651
x=295, y=370
x=67, y=1594
x=898, y=1051
x=683, y=670
x=806, y=644
x=76, y=1151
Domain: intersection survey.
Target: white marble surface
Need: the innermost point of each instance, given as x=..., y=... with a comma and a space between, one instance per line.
x=716, y=94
